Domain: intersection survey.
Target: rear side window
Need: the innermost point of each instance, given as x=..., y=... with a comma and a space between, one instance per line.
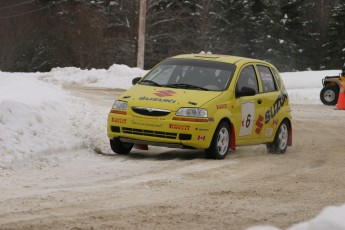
x=267, y=79
x=247, y=78
x=278, y=78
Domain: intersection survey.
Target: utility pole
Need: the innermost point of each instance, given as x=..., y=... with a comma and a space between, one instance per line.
x=141, y=37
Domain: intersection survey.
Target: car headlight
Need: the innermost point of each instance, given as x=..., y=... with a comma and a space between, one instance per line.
x=191, y=112
x=121, y=105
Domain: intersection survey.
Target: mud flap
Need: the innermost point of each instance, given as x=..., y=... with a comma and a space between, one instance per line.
x=141, y=146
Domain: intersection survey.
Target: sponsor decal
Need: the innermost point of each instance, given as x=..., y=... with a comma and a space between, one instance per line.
x=275, y=122
x=119, y=120
x=179, y=127
x=269, y=132
x=266, y=76
x=150, y=118
x=201, y=138
x=165, y=93
x=156, y=99
x=222, y=106
x=275, y=108
x=146, y=124
x=259, y=124
x=201, y=129
x=190, y=119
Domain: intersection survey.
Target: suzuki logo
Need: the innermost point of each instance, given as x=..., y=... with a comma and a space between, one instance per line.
x=164, y=93
x=259, y=124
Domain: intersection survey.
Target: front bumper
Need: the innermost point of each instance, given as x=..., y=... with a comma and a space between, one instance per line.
x=170, y=131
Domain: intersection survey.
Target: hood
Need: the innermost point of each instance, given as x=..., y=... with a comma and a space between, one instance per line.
x=166, y=98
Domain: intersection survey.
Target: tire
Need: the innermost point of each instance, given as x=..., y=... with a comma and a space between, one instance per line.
x=329, y=95
x=281, y=139
x=220, y=142
x=120, y=147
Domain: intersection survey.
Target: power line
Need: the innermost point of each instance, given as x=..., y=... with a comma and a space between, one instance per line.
x=19, y=4
x=31, y=11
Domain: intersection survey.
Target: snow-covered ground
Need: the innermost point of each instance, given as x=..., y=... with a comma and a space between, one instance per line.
x=39, y=117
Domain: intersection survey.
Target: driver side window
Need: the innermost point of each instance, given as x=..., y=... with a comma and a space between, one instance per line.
x=247, y=78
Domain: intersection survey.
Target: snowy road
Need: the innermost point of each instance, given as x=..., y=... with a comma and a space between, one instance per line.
x=180, y=189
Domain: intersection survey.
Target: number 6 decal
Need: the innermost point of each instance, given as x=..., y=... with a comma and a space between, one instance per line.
x=248, y=115
x=248, y=120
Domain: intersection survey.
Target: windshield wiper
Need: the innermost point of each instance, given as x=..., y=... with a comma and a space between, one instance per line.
x=185, y=86
x=149, y=82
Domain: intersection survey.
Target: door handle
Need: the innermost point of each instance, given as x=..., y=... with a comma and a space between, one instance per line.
x=259, y=101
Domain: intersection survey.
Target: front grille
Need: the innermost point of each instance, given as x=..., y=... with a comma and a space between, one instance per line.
x=150, y=111
x=151, y=133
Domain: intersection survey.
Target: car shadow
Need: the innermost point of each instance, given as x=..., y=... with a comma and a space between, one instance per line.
x=165, y=155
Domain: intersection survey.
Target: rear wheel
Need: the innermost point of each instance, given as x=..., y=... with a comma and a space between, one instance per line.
x=329, y=95
x=120, y=147
x=220, y=142
x=281, y=140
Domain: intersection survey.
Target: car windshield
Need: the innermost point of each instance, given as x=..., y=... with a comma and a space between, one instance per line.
x=191, y=74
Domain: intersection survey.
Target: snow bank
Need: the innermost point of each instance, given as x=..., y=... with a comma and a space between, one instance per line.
x=117, y=76
x=34, y=118
x=37, y=118
x=331, y=217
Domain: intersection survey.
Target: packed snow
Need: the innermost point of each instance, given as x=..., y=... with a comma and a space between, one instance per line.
x=39, y=118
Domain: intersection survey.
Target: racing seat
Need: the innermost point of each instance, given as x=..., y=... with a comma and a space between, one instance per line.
x=202, y=78
x=222, y=79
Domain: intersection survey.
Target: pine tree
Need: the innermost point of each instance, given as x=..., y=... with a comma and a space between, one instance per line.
x=236, y=27
x=294, y=36
x=170, y=29
x=265, y=39
x=335, y=46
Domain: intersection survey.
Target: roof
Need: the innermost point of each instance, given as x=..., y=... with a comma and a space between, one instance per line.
x=218, y=57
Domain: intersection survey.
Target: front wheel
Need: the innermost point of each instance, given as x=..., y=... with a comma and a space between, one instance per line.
x=281, y=139
x=220, y=142
x=120, y=147
x=329, y=95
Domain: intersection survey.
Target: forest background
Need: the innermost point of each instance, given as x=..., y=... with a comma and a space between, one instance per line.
x=294, y=35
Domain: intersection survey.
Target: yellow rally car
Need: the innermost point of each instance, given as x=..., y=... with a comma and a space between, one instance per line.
x=210, y=102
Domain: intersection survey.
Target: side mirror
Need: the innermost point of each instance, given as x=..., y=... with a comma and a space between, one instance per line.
x=135, y=80
x=245, y=91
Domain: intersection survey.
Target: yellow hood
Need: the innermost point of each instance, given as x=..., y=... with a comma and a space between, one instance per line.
x=166, y=98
